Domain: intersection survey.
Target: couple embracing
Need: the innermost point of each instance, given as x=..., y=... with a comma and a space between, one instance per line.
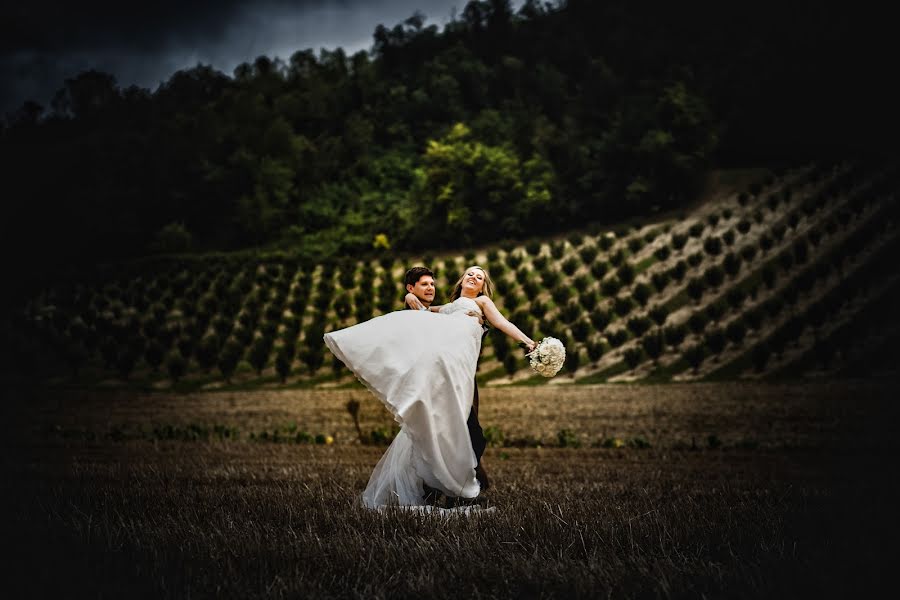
x=421, y=365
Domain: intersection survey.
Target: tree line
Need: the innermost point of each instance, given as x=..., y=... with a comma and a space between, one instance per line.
x=501, y=125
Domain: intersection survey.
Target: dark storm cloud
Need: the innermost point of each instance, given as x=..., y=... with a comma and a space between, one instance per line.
x=44, y=43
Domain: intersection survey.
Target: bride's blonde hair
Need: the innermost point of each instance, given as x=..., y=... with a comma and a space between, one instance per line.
x=487, y=289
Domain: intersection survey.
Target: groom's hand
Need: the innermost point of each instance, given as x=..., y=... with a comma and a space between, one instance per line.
x=413, y=302
x=478, y=316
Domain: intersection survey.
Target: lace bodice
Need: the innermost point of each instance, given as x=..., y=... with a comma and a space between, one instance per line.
x=460, y=305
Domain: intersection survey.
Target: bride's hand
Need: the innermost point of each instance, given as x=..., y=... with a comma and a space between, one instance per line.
x=413, y=302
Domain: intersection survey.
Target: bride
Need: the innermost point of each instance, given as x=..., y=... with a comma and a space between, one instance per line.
x=422, y=368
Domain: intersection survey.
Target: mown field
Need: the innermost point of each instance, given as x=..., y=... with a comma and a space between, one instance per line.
x=691, y=490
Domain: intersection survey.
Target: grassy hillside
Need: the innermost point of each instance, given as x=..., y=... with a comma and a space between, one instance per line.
x=788, y=275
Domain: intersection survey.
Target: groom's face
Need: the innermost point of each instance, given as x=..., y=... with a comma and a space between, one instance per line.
x=423, y=289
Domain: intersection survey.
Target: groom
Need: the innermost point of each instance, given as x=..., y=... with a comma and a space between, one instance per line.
x=420, y=283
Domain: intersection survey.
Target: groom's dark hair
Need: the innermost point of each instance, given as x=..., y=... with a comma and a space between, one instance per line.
x=415, y=274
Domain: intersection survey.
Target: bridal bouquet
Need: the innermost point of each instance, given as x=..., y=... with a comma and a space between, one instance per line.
x=548, y=357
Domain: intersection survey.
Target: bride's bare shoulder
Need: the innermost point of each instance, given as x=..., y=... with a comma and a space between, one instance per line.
x=483, y=301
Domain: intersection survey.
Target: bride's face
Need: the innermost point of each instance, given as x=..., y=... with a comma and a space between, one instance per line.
x=473, y=281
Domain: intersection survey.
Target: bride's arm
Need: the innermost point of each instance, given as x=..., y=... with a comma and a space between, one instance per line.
x=413, y=302
x=500, y=322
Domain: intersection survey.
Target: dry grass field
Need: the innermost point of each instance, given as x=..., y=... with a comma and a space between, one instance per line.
x=735, y=490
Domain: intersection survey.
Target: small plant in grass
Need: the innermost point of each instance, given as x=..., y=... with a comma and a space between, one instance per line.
x=638, y=326
x=653, y=344
x=570, y=265
x=176, y=366
x=610, y=286
x=588, y=253
x=606, y=241
x=715, y=341
x=561, y=294
x=732, y=264
x=599, y=269
x=712, y=245
x=513, y=260
x=674, y=335
x=659, y=314
x=748, y=253
x=678, y=241
x=626, y=273
x=678, y=271
x=744, y=225
x=728, y=237
x=760, y=356
x=566, y=438
x=662, y=253
x=695, y=259
x=736, y=331
x=726, y=213
x=589, y=300
x=736, y=296
x=538, y=308
x=695, y=289
x=595, y=351
x=642, y=293
x=633, y=357
x=570, y=311
x=617, y=338
x=531, y=287
x=623, y=305
x=660, y=280
x=635, y=244
x=716, y=310
x=599, y=319
x=576, y=239
x=550, y=277
x=697, y=321
x=617, y=258
x=712, y=219
x=557, y=249
x=581, y=329
x=696, y=230
x=714, y=276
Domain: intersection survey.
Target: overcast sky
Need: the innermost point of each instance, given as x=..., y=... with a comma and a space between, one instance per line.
x=144, y=43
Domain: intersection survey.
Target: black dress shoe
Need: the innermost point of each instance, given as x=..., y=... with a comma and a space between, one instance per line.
x=457, y=502
x=432, y=496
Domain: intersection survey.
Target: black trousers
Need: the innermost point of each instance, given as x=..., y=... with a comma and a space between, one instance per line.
x=476, y=433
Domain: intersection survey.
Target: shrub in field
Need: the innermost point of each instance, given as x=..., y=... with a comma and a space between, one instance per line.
x=660, y=280
x=726, y=213
x=653, y=344
x=695, y=288
x=760, y=356
x=626, y=273
x=638, y=326
x=125, y=362
x=611, y=286
x=550, y=277
x=715, y=310
x=342, y=305
x=786, y=260
x=570, y=265
x=732, y=264
x=728, y=237
x=606, y=241
x=712, y=245
x=228, y=359
x=154, y=354
x=561, y=294
x=633, y=357
x=258, y=355
x=662, y=253
x=566, y=438
x=801, y=251
x=635, y=244
x=617, y=258
x=588, y=253
x=538, y=309
x=773, y=201
x=743, y=198
x=778, y=231
x=600, y=319
x=599, y=269
x=557, y=249
x=793, y=220
x=774, y=306
x=185, y=345
x=714, y=276
x=748, y=253
x=736, y=296
x=715, y=340
x=696, y=230
x=570, y=311
x=814, y=236
x=623, y=305
x=208, y=351
x=573, y=358
x=514, y=259
x=617, y=338
x=674, y=335
x=744, y=226
x=736, y=331
x=531, y=287
x=533, y=247
x=176, y=365
x=678, y=241
x=493, y=436
x=589, y=300
x=712, y=219
x=642, y=293
x=694, y=355
x=695, y=259
x=678, y=271
x=595, y=351
x=659, y=314
x=765, y=243
x=769, y=276
x=581, y=330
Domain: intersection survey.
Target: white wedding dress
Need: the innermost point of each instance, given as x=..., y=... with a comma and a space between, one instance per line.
x=421, y=365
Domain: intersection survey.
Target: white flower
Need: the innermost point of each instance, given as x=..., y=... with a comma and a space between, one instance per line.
x=548, y=357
